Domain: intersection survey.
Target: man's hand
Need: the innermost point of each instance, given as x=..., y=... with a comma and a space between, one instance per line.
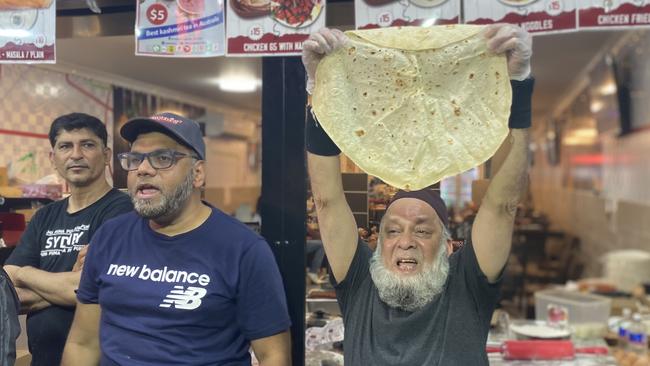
x=517, y=45
x=81, y=257
x=55, y=287
x=30, y=301
x=317, y=46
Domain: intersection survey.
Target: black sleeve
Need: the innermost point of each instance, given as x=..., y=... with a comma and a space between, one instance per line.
x=116, y=207
x=317, y=141
x=28, y=250
x=485, y=293
x=521, y=108
x=358, y=272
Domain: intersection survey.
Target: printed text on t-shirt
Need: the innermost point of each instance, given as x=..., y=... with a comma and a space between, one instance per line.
x=158, y=274
x=62, y=241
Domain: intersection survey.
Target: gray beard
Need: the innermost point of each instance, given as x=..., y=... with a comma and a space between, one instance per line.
x=410, y=293
x=169, y=203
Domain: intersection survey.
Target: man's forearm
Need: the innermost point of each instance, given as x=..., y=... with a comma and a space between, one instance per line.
x=30, y=301
x=278, y=359
x=82, y=346
x=508, y=184
x=325, y=177
x=274, y=350
x=76, y=354
x=338, y=229
x=56, y=288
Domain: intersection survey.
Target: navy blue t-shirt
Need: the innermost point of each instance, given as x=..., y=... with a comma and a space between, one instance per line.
x=196, y=298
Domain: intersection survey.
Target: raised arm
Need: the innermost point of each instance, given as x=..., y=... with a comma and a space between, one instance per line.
x=492, y=230
x=338, y=229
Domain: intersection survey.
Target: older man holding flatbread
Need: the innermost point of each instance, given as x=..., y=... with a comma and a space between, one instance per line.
x=413, y=301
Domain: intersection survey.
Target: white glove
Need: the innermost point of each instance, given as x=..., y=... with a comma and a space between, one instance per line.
x=516, y=43
x=317, y=46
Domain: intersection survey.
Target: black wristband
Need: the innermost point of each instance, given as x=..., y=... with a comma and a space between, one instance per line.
x=316, y=139
x=521, y=109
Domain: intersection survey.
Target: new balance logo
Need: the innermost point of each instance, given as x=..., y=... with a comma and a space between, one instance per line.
x=180, y=298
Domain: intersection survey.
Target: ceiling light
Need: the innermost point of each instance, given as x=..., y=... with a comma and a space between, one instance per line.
x=596, y=106
x=587, y=133
x=238, y=84
x=581, y=136
x=608, y=89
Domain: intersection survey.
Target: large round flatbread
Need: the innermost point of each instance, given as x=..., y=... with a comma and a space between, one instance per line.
x=413, y=105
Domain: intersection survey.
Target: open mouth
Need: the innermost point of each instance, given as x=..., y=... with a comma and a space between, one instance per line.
x=146, y=190
x=406, y=264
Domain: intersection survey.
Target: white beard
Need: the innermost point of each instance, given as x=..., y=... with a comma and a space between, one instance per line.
x=410, y=293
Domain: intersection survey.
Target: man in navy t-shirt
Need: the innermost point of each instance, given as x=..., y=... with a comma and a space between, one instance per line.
x=178, y=282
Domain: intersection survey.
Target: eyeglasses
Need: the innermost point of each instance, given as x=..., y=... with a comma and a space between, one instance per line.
x=159, y=159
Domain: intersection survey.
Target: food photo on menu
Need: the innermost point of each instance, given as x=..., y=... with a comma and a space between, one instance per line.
x=290, y=13
x=24, y=4
x=296, y=13
x=249, y=9
x=271, y=27
x=27, y=31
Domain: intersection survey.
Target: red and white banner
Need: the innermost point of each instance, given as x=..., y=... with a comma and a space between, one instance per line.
x=271, y=28
x=609, y=14
x=389, y=13
x=180, y=28
x=28, y=32
x=536, y=16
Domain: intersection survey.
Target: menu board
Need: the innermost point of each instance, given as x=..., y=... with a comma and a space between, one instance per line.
x=180, y=28
x=535, y=16
x=389, y=13
x=27, y=31
x=271, y=28
x=608, y=14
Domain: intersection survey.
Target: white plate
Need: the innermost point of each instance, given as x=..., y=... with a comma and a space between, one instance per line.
x=539, y=331
x=18, y=19
x=427, y=3
x=517, y=2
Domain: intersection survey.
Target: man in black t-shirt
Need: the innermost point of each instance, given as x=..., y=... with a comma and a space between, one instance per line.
x=412, y=302
x=46, y=265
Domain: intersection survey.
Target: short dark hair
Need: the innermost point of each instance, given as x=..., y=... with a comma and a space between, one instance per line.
x=76, y=121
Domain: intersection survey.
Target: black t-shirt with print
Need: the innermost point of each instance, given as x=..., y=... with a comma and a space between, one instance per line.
x=450, y=330
x=51, y=243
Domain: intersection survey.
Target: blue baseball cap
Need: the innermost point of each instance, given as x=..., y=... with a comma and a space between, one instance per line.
x=184, y=130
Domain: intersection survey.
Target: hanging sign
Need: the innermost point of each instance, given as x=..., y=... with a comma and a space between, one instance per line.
x=272, y=28
x=180, y=28
x=389, y=13
x=27, y=31
x=608, y=14
x=535, y=16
